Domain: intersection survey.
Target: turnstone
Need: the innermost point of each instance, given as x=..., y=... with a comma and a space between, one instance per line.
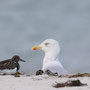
x=10, y=66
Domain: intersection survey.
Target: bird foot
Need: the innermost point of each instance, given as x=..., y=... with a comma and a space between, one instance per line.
x=17, y=74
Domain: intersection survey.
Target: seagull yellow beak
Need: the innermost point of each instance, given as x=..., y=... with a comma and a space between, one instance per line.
x=36, y=47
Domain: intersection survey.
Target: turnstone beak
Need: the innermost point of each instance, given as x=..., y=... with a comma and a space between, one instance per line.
x=22, y=60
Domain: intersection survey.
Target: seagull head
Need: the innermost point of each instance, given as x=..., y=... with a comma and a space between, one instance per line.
x=49, y=45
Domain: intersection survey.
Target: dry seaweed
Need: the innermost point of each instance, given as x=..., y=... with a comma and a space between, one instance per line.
x=76, y=75
x=69, y=83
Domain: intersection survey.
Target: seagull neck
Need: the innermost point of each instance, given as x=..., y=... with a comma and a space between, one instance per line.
x=51, y=56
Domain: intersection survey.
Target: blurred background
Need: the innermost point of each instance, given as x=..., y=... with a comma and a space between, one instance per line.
x=25, y=23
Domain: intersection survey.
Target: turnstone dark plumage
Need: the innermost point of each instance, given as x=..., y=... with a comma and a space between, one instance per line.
x=10, y=66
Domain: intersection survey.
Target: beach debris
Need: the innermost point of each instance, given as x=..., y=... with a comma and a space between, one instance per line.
x=48, y=72
x=39, y=72
x=69, y=83
x=17, y=75
x=76, y=75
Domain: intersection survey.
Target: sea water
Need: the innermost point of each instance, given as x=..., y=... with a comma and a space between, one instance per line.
x=25, y=23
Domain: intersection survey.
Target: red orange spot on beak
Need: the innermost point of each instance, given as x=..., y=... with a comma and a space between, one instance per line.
x=36, y=47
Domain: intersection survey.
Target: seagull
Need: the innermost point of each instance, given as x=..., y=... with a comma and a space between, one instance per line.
x=51, y=61
x=10, y=66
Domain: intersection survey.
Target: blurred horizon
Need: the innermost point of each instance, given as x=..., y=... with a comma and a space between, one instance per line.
x=25, y=23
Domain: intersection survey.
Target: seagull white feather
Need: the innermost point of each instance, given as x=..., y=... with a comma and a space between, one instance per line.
x=51, y=62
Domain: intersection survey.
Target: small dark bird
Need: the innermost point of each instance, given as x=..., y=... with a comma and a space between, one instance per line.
x=10, y=66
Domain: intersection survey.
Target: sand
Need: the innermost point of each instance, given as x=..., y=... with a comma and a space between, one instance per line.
x=42, y=82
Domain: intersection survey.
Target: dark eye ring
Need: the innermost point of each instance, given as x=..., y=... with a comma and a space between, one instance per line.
x=46, y=43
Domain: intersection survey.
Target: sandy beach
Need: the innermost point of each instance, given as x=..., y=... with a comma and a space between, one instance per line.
x=42, y=82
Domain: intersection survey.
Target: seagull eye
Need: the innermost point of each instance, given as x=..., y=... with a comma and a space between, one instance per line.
x=46, y=44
